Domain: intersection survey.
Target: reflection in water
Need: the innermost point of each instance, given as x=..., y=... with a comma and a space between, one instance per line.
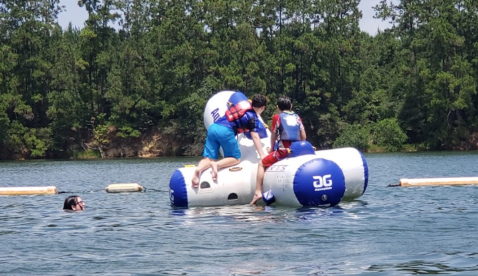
x=253, y=213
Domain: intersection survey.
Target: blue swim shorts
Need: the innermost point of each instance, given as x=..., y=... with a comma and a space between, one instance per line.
x=221, y=136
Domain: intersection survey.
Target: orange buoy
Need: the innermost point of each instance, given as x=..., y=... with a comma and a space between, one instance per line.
x=47, y=190
x=405, y=182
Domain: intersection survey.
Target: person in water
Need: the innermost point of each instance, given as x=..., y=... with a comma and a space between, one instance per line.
x=286, y=128
x=74, y=203
x=222, y=134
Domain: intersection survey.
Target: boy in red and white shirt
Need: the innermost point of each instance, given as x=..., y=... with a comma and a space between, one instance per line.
x=286, y=128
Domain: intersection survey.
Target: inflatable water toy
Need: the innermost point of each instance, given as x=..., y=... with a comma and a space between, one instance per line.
x=305, y=178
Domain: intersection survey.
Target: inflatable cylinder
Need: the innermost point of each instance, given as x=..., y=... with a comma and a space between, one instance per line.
x=354, y=167
x=124, y=188
x=233, y=187
x=47, y=190
x=305, y=181
x=317, y=180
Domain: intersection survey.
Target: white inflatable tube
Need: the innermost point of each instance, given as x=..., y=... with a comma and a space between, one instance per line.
x=354, y=167
x=323, y=179
x=315, y=178
x=234, y=186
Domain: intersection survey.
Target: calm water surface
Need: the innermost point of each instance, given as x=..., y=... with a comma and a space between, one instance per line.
x=388, y=231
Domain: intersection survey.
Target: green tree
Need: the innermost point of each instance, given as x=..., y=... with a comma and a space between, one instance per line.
x=387, y=133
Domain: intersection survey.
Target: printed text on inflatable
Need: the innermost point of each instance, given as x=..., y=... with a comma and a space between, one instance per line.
x=215, y=114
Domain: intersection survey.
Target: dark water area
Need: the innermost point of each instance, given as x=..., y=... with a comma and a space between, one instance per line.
x=388, y=231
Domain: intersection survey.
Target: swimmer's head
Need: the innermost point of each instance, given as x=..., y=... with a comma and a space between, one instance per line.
x=74, y=203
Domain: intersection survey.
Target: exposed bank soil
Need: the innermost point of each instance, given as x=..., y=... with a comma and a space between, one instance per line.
x=470, y=144
x=153, y=143
x=150, y=144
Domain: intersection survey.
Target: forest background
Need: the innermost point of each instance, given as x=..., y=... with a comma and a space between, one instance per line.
x=139, y=89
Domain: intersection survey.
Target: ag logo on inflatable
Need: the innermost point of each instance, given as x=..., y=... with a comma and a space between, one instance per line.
x=322, y=183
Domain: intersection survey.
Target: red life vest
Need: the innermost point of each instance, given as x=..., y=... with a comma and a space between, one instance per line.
x=237, y=106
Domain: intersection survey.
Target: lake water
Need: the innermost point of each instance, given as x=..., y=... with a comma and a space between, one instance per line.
x=388, y=231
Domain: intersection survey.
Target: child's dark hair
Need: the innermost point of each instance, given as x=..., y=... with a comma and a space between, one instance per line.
x=69, y=201
x=259, y=100
x=284, y=103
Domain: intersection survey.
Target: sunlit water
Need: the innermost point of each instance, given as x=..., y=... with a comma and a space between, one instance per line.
x=388, y=231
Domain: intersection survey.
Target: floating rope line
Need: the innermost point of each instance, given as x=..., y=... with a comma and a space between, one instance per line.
x=394, y=185
x=80, y=192
x=49, y=190
x=156, y=190
x=102, y=190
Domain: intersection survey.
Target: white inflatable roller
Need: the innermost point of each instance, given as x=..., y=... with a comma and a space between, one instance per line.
x=306, y=178
x=321, y=179
x=354, y=167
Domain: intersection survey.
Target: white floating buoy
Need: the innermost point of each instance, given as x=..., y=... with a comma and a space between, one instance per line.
x=47, y=190
x=438, y=181
x=124, y=188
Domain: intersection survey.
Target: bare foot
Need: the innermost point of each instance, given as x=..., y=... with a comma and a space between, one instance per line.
x=195, y=179
x=257, y=197
x=214, y=171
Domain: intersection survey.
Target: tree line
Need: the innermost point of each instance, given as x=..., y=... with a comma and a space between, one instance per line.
x=414, y=83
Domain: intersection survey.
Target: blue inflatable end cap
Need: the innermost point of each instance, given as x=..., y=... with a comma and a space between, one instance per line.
x=319, y=182
x=301, y=148
x=268, y=198
x=178, y=194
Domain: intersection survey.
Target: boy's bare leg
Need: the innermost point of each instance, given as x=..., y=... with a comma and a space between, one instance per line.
x=204, y=164
x=223, y=163
x=214, y=171
x=259, y=180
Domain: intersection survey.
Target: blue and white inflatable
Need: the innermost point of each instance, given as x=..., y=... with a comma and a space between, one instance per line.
x=305, y=178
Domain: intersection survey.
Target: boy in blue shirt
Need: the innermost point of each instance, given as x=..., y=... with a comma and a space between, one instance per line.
x=222, y=133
